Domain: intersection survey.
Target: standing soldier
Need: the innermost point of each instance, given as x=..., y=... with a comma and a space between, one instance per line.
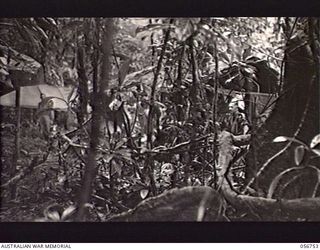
x=45, y=115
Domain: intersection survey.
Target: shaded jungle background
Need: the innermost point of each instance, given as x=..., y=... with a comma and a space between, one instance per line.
x=124, y=119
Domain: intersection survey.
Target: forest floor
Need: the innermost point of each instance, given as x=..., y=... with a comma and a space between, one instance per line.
x=37, y=189
x=43, y=186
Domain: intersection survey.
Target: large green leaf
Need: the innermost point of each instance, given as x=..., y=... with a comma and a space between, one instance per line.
x=315, y=141
x=286, y=138
x=276, y=180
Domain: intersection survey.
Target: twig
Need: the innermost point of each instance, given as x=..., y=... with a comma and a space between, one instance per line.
x=24, y=172
x=153, y=88
x=117, y=63
x=82, y=125
x=71, y=143
x=151, y=107
x=135, y=117
x=285, y=57
x=175, y=148
x=215, y=106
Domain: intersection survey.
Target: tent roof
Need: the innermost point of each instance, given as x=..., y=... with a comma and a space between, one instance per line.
x=30, y=96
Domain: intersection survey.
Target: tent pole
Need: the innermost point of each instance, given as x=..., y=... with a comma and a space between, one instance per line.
x=16, y=155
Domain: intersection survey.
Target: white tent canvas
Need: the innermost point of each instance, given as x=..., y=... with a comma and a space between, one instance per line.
x=30, y=96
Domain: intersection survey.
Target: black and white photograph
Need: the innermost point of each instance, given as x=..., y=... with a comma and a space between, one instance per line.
x=171, y=119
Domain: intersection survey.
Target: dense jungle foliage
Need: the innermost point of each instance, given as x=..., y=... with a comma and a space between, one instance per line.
x=164, y=119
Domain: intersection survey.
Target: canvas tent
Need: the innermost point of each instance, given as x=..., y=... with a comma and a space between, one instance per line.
x=17, y=69
x=259, y=105
x=31, y=96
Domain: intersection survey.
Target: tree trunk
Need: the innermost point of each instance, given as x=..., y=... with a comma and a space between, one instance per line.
x=184, y=204
x=265, y=209
x=296, y=112
x=83, y=87
x=97, y=128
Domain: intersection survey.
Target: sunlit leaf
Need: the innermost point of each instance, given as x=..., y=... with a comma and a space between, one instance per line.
x=227, y=33
x=285, y=138
x=144, y=193
x=249, y=70
x=121, y=143
x=116, y=167
x=4, y=72
x=206, y=27
x=88, y=205
x=41, y=32
x=62, y=179
x=69, y=211
x=143, y=150
x=299, y=153
x=196, y=43
x=186, y=32
x=280, y=139
x=109, y=158
x=3, y=60
x=159, y=148
x=315, y=141
x=54, y=216
x=42, y=220
x=47, y=24
x=316, y=151
x=225, y=57
x=167, y=169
